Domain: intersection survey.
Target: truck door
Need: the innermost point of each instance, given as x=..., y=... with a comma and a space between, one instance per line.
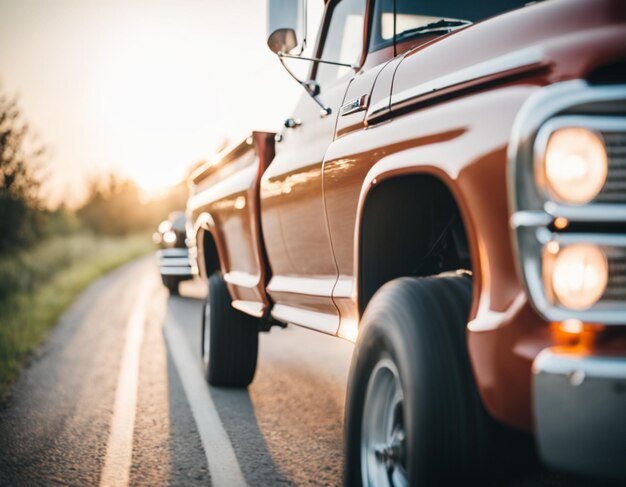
x=292, y=205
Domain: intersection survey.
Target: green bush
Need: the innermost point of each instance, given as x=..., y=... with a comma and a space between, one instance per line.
x=22, y=271
x=45, y=280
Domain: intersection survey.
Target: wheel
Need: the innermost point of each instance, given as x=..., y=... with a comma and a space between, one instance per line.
x=230, y=339
x=171, y=283
x=413, y=414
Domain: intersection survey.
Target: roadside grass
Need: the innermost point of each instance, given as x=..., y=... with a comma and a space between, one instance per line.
x=37, y=286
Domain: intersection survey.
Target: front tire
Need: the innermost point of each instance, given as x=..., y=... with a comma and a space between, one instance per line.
x=413, y=414
x=230, y=339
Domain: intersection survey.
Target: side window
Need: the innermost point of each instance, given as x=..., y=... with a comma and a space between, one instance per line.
x=344, y=40
x=383, y=28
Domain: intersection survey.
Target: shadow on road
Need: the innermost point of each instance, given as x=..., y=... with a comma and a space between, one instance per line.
x=234, y=406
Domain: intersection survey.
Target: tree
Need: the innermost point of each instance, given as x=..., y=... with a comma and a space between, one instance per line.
x=21, y=218
x=113, y=207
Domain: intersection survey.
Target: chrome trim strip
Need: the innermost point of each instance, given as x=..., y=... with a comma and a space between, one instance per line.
x=600, y=239
x=224, y=157
x=530, y=219
x=173, y=252
x=303, y=317
x=242, y=279
x=594, y=212
x=174, y=262
x=310, y=286
x=251, y=308
x=550, y=362
x=524, y=58
x=379, y=108
x=225, y=189
x=515, y=60
x=605, y=212
x=176, y=271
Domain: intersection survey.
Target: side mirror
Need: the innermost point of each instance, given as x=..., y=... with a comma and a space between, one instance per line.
x=286, y=23
x=282, y=40
x=284, y=19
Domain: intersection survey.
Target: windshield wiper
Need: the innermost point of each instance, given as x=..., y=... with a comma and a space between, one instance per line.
x=442, y=25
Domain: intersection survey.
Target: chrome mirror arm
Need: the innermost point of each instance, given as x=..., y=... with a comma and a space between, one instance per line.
x=317, y=60
x=325, y=110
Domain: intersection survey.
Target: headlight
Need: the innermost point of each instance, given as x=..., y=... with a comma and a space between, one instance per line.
x=169, y=237
x=575, y=275
x=165, y=226
x=575, y=165
x=567, y=197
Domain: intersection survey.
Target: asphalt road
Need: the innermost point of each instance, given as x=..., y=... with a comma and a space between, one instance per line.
x=116, y=397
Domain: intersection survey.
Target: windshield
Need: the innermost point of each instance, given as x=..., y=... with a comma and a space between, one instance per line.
x=412, y=17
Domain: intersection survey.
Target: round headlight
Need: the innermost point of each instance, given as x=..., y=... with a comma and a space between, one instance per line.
x=165, y=226
x=169, y=237
x=575, y=165
x=579, y=275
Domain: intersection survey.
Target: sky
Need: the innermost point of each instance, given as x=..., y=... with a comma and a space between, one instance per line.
x=142, y=87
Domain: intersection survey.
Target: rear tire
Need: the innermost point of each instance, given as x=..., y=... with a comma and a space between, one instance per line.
x=413, y=413
x=230, y=339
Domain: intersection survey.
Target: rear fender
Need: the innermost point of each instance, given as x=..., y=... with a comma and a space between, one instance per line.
x=205, y=227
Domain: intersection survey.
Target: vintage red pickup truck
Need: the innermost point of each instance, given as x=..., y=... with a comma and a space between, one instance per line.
x=449, y=194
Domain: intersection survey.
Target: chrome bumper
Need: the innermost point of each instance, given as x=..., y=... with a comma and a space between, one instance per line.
x=580, y=412
x=176, y=262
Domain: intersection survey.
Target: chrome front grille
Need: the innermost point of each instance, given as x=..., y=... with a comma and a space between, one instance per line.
x=614, y=190
x=534, y=211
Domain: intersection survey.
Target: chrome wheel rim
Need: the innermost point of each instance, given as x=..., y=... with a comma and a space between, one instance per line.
x=206, y=334
x=383, y=437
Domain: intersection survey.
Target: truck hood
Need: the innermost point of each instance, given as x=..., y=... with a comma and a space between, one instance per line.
x=564, y=39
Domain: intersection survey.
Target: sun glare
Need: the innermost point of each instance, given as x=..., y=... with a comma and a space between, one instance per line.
x=143, y=92
x=155, y=176
x=154, y=182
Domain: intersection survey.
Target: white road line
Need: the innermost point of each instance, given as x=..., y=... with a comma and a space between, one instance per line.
x=118, y=461
x=223, y=465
